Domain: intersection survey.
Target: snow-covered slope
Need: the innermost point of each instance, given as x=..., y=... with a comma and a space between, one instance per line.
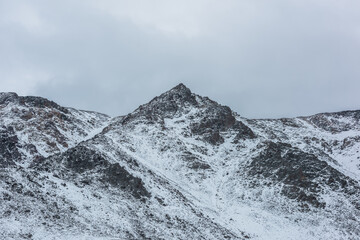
x=185, y=167
x=334, y=137
x=34, y=126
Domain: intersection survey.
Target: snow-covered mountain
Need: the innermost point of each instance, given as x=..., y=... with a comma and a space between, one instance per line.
x=179, y=167
x=34, y=126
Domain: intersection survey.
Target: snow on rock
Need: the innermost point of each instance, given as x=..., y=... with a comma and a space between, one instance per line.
x=179, y=167
x=42, y=127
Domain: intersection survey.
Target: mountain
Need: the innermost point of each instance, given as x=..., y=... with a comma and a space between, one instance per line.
x=179, y=167
x=33, y=126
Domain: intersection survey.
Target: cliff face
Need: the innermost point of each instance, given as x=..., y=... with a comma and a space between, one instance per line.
x=179, y=167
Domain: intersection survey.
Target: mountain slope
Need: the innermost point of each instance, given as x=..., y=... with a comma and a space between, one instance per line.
x=35, y=126
x=185, y=167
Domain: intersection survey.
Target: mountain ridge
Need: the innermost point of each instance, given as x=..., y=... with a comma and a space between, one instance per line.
x=183, y=86
x=179, y=167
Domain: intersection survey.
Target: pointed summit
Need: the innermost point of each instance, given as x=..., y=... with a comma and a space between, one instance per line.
x=180, y=91
x=170, y=102
x=202, y=116
x=180, y=87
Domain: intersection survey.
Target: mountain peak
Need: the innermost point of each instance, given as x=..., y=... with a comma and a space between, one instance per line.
x=180, y=87
x=170, y=102
x=179, y=91
x=207, y=118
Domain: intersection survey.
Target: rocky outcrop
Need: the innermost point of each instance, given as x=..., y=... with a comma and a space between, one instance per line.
x=302, y=175
x=9, y=147
x=45, y=127
x=174, y=102
x=30, y=101
x=208, y=121
x=336, y=122
x=81, y=164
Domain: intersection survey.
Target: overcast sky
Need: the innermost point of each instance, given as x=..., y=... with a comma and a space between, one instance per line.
x=262, y=58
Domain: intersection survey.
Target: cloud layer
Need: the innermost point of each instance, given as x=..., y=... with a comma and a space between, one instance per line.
x=262, y=58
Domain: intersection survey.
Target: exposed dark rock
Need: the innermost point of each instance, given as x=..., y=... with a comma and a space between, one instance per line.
x=330, y=121
x=194, y=162
x=217, y=119
x=290, y=122
x=199, y=165
x=302, y=174
x=6, y=97
x=243, y=131
x=166, y=105
x=30, y=101
x=117, y=176
x=81, y=159
x=213, y=137
x=189, y=156
x=94, y=167
x=9, y=145
x=40, y=102
x=214, y=119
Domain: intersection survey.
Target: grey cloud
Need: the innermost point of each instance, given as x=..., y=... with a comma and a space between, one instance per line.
x=284, y=58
